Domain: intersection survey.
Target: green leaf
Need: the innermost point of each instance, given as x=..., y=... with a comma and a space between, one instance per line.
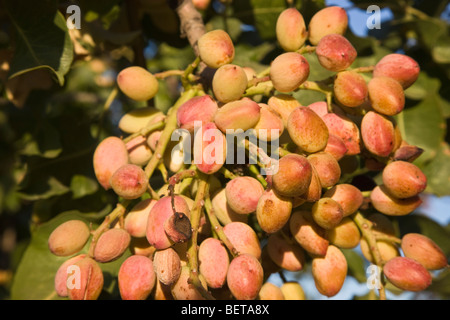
x=356, y=266
x=423, y=125
x=441, y=284
x=169, y=57
x=34, y=278
x=82, y=186
x=232, y=26
x=429, y=31
x=114, y=37
x=441, y=51
x=263, y=14
x=45, y=144
x=43, y=39
x=106, y=11
x=438, y=172
x=163, y=100
x=444, y=104
x=251, y=56
x=52, y=187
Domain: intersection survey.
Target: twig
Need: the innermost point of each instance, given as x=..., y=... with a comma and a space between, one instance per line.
x=218, y=229
x=145, y=131
x=171, y=125
x=115, y=214
x=203, y=189
x=366, y=229
x=227, y=173
x=257, y=174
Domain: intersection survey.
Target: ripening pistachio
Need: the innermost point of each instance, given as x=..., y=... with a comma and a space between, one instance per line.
x=424, y=250
x=293, y=177
x=283, y=104
x=314, y=191
x=270, y=125
x=137, y=83
x=291, y=29
x=307, y=130
x=403, y=179
x=201, y=108
x=386, y=95
x=241, y=114
x=250, y=72
x=139, y=118
x=329, y=272
x=273, y=211
x=63, y=271
x=327, y=21
x=269, y=291
x=243, y=238
x=344, y=128
x=223, y=211
x=292, y=291
x=407, y=274
x=335, y=52
x=288, y=255
x=398, y=66
x=216, y=48
x=336, y=147
x=319, y=107
x=111, y=245
x=407, y=152
x=288, y=71
x=136, y=278
x=139, y=152
x=110, y=155
x=213, y=262
x=183, y=289
x=229, y=83
x=327, y=213
x=210, y=148
x=350, y=88
x=162, y=211
x=308, y=233
x=129, y=181
x=378, y=134
x=243, y=194
x=167, y=265
x=327, y=168
x=245, y=277
x=88, y=283
x=389, y=205
x=348, y=196
x=135, y=221
x=68, y=238
x=345, y=235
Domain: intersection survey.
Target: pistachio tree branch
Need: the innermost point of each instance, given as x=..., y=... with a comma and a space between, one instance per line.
x=191, y=23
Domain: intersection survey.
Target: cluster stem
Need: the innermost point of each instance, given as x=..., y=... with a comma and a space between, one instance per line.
x=192, y=251
x=368, y=233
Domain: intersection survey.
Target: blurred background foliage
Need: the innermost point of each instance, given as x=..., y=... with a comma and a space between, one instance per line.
x=58, y=101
